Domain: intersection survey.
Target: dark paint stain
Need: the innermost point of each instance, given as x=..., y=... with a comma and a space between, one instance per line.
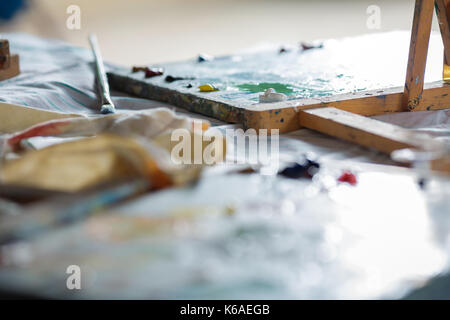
x=306, y=168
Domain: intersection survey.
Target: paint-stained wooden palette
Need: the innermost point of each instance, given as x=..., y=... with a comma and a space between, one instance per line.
x=343, y=74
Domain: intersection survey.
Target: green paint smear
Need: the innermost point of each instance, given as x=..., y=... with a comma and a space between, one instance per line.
x=263, y=86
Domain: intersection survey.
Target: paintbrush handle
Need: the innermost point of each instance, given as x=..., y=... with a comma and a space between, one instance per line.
x=68, y=210
x=100, y=71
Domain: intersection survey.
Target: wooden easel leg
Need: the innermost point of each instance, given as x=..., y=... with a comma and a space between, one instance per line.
x=443, y=14
x=418, y=50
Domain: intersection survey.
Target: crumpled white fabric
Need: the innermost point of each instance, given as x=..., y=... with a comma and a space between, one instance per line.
x=142, y=123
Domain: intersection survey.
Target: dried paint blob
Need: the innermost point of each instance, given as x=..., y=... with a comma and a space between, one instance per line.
x=306, y=46
x=422, y=182
x=263, y=86
x=149, y=72
x=137, y=69
x=348, y=177
x=204, y=58
x=271, y=96
x=170, y=78
x=207, y=88
x=304, y=169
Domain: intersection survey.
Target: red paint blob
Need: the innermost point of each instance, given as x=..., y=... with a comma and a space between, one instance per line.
x=348, y=177
x=149, y=73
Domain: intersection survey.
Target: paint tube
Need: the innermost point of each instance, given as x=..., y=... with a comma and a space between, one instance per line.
x=271, y=96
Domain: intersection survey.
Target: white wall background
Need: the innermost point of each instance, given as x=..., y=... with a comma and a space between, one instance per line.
x=149, y=31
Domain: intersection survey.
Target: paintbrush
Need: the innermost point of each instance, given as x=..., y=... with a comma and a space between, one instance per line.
x=102, y=81
x=67, y=209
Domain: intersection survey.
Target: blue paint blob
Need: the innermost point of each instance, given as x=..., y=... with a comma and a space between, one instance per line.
x=303, y=169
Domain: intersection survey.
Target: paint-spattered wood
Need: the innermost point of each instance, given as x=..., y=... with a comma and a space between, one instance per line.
x=284, y=115
x=418, y=50
x=361, y=130
x=193, y=102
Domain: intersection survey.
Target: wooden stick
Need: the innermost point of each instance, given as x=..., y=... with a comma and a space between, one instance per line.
x=418, y=50
x=367, y=132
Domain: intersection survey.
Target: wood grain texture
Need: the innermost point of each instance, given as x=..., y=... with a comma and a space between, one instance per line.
x=12, y=70
x=361, y=130
x=418, y=50
x=371, y=133
x=284, y=115
x=190, y=101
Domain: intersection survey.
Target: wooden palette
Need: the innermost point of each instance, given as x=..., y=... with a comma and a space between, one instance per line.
x=319, y=73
